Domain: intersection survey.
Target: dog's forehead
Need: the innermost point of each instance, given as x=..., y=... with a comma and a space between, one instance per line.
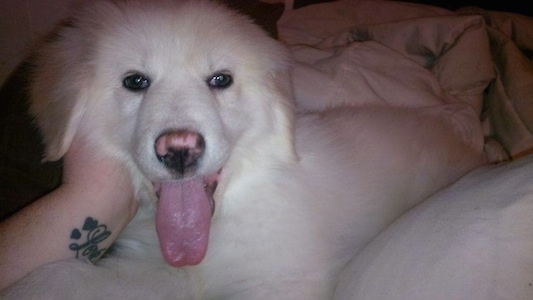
x=179, y=40
x=187, y=36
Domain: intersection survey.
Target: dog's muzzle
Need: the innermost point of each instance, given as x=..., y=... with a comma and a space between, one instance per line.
x=180, y=150
x=186, y=203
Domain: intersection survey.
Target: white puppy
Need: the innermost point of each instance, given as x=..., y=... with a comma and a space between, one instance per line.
x=197, y=100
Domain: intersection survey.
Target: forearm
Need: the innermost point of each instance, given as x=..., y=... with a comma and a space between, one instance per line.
x=72, y=221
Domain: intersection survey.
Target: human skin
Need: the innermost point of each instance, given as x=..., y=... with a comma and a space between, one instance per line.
x=81, y=218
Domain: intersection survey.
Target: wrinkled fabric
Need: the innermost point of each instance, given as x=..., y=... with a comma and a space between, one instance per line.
x=362, y=52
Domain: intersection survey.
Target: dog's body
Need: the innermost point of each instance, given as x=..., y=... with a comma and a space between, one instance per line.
x=297, y=195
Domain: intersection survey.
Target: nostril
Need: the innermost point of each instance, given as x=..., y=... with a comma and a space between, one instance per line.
x=178, y=160
x=180, y=150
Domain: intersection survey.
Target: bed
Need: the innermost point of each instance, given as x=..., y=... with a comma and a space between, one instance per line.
x=472, y=240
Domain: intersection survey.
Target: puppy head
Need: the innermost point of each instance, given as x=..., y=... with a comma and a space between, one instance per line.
x=122, y=74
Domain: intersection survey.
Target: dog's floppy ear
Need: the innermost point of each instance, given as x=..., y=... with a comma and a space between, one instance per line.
x=281, y=90
x=273, y=95
x=59, y=89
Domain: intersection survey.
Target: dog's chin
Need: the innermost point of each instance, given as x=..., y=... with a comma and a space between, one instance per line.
x=183, y=217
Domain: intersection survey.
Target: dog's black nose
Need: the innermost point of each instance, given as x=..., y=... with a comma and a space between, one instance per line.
x=180, y=150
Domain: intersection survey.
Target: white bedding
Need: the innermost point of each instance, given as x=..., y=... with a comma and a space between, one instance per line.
x=473, y=240
x=361, y=52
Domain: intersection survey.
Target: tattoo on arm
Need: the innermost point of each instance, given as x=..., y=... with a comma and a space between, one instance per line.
x=88, y=240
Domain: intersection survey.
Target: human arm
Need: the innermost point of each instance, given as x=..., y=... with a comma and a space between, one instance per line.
x=96, y=192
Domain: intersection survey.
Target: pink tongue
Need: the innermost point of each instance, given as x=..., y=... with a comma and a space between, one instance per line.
x=182, y=222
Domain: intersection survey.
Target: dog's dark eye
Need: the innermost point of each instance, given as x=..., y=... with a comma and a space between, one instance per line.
x=136, y=82
x=220, y=81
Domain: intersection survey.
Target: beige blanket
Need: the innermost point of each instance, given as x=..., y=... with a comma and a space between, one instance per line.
x=368, y=52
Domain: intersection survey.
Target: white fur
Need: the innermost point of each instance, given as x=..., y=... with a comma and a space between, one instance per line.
x=298, y=195
x=471, y=241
